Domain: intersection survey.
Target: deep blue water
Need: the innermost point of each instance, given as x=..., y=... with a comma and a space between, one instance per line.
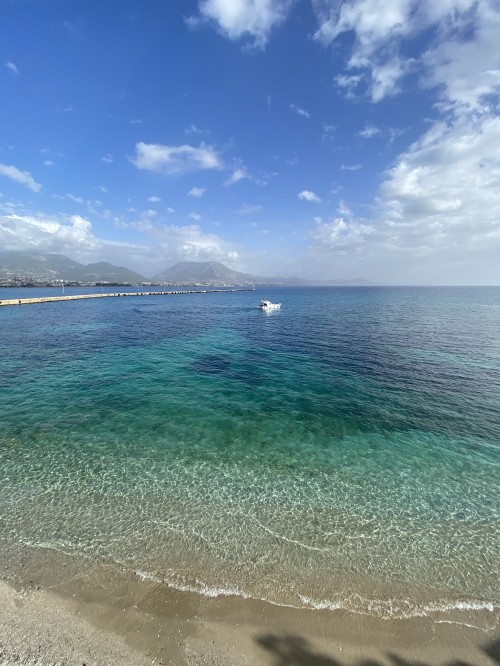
x=340, y=452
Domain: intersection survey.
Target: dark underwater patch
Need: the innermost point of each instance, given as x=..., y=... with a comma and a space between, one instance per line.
x=212, y=364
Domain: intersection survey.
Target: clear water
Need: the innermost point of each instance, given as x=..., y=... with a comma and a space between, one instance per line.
x=342, y=452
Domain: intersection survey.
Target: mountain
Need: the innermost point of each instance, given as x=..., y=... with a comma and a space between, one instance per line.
x=210, y=272
x=39, y=266
x=102, y=271
x=207, y=271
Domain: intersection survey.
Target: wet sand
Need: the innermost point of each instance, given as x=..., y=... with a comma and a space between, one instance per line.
x=78, y=614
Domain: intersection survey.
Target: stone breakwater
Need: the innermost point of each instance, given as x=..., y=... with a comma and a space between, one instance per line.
x=52, y=299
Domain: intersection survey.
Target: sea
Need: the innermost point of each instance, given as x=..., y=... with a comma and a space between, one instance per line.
x=342, y=452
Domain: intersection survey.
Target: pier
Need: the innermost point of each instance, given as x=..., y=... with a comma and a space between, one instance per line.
x=78, y=297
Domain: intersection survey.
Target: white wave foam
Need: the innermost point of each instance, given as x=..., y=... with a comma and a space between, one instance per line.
x=197, y=586
x=397, y=608
x=200, y=587
x=386, y=609
x=145, y=575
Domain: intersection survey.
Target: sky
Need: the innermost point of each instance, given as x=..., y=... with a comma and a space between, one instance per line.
x=324, y=139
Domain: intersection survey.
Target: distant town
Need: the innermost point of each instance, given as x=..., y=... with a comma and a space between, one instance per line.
x=41, y=282
x=36, y=269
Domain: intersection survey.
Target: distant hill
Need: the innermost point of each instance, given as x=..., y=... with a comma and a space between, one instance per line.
x=206, y=271
x=102, y=271
x=196, y=272
x=40, y=266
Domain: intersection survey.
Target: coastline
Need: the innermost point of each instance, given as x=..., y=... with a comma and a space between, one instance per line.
x=86, y=613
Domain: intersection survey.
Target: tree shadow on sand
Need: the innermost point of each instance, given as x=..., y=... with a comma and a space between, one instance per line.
x=292, y=650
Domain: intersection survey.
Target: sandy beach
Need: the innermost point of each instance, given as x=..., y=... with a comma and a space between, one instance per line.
x=97, y=616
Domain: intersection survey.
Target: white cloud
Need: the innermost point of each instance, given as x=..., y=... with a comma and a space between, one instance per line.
x=369, y=131
x=237, y=175
x=351, y=167
x=237, y=19
x=74, y=237
x=74, y=198
x=48, y=163
x=170, y=210
x=142, y=222
x=460, y=52
x=193, y=129
x=136, y=121
x=348, y=83
x=107, y=158
x=197, y=192
x=195, y=216
x=465, y=70
x=307, y=195
x=343, y=209
x=339, y=234
x=373, y=21
x=12, y=67
x=21, y=177
x=443, y=192
x=46, y=234
x=437, y=216
x=299, y=111
x=190, y=243
x=176, y=159
x=386, y=77
x=246, y=209
x=154, y=199
x=69, y=197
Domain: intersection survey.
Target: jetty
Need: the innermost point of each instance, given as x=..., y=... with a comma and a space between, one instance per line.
x=78, y=297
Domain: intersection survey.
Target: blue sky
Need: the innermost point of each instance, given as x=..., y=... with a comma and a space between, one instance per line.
x=318, y=138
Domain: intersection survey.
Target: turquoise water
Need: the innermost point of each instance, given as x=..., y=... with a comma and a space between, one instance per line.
x=342, y=452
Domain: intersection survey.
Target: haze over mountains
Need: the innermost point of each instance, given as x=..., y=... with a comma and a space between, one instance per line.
x=213, y=271
x=51, y=267
x=40, y=266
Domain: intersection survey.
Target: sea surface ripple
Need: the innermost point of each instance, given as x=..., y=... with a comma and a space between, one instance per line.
x=342, y=452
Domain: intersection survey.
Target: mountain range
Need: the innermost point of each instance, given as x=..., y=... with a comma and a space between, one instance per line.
x=207, y=272
x=50, y=267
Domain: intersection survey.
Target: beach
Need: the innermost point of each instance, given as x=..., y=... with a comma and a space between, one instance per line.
x=60, y=610
x=133, y=623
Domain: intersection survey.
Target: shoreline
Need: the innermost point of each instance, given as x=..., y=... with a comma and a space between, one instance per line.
x=80, y=612
x=45, y=627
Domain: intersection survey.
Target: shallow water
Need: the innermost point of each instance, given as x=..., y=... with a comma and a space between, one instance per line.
x=340, y=452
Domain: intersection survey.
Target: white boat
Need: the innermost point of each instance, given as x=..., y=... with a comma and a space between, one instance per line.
x=267, y=305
